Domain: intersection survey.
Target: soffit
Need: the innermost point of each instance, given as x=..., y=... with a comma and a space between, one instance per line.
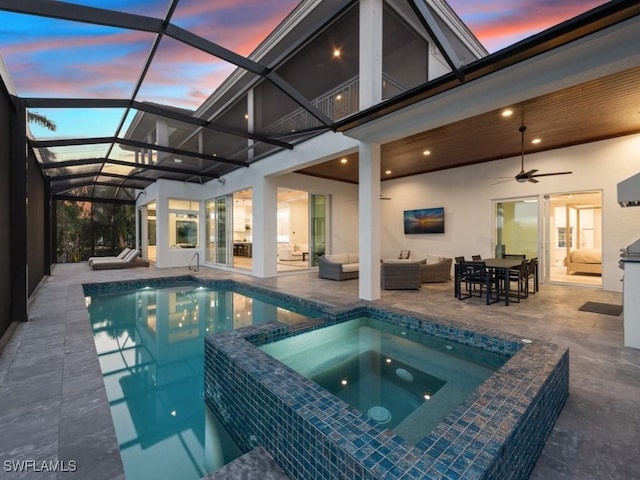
x=600, y=109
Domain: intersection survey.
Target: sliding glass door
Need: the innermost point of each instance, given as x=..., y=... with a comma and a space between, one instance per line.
x=318, y=226
x=218, y=239
x=517, y=227
x=302, y=223
x=575, y=238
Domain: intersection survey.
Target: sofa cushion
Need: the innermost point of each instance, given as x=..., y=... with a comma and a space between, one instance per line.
x=354, y=258
x=397, y=260
x=338, y=258
x=350, y=267
x=434, y=259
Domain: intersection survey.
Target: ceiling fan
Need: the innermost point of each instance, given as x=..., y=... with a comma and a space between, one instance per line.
x=531, y=175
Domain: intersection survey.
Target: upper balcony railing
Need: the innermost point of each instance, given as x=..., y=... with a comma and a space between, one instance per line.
x=336, y=104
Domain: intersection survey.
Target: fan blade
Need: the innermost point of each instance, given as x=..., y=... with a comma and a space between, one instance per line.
x=533, y=180
x=530, y=173
x=550, y=174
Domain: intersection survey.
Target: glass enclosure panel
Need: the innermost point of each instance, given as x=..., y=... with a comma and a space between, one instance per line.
x=73, y=152
x=220, y=22
x=62, y=59
x=149, y=8
x=517, y=228
x=87, y=229
x=405, y=57
x=96, y=123
x=199, y=75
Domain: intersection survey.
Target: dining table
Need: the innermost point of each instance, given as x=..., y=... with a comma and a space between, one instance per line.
x=500, y=267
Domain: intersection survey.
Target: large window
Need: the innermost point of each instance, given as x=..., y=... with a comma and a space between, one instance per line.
x=183, y=223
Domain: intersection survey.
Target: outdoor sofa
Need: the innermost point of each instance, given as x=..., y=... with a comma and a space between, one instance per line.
x=339, y=266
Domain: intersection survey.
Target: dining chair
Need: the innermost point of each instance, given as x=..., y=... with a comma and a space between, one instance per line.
x=459, y=259
x=532, y=274
x=476, y=258
x=477, y=280
x=521, y=277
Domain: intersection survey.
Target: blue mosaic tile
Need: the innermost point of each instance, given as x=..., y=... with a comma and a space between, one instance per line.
x=482, y=439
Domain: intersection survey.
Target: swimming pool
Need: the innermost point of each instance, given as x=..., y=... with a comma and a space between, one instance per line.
x=497, y=433
x=149, y=336
x=405, y=380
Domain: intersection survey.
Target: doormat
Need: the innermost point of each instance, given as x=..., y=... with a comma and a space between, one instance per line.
x=603, y=308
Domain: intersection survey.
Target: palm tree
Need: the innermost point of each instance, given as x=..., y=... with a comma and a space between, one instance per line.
x=41, y=120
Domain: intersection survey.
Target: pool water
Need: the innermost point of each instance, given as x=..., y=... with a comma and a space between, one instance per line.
x=403, y=380
x=385, y=389
x=150, y=345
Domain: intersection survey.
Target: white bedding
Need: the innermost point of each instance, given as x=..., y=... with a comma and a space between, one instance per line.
x=586, y=255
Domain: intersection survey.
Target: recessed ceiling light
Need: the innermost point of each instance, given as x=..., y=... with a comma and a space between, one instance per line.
x=338, y=97
x=177, y=160
x=388, y=172
x=246, y=116
x=426, y=152
x=507, y=112
x=336, y=53
x=343, y=160
x=535, y=141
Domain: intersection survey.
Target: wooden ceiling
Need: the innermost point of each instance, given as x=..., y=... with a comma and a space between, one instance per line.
x=605, y=108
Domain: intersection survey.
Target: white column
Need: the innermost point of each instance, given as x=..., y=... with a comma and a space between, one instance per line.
x=370, y=53
x=162, y=138
x=369, y=221
x=370, y=80
x=265, y=209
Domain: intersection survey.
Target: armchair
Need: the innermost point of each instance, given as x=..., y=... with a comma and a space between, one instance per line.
x=400, y=275
x=436, y=272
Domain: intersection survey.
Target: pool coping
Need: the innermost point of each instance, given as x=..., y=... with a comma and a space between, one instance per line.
x=481, y=439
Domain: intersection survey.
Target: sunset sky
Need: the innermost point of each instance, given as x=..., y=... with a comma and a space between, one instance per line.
x=55, y=58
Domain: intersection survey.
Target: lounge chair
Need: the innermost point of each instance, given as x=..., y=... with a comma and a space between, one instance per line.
x=120, y=256
x=131, y=260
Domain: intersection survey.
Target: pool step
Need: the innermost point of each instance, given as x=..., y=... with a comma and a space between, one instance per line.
x=255, y=465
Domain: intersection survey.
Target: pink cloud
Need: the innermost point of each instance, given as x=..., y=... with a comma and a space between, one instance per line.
x=231, y=23
x=501, y=23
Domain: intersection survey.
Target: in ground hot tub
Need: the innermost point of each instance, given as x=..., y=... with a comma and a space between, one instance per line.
x=496, y=429
x=403, y=379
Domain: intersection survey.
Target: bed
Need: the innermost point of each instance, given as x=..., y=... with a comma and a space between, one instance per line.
x=584, y=260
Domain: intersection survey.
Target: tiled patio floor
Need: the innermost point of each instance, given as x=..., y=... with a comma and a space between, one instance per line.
x=53, y=404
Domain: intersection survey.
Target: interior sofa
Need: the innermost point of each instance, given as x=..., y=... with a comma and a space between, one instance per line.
x=339, y=266
x=292, y=251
